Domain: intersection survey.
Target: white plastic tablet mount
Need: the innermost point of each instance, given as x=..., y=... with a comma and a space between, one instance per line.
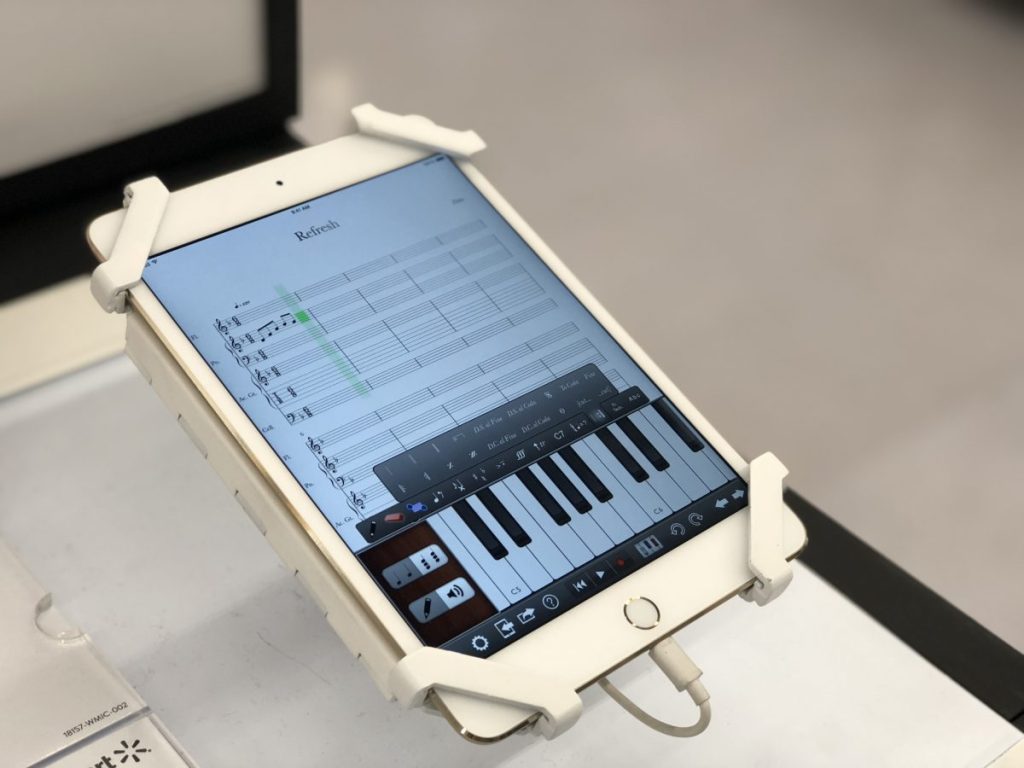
x=414, y=676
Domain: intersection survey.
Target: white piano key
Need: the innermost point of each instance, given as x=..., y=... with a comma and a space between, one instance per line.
x=503, y=574
x=473, y=568
x=698, y=461
x=563, y=536
x=661, y=482
x=728, y=472
x=522, y=560
x=541, y=545
x=680, y=471
x=648, y=499
x=626, y=505
x=604, y=514
x=597, y=540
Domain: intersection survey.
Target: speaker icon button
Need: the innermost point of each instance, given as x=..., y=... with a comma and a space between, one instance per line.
x=441, y=600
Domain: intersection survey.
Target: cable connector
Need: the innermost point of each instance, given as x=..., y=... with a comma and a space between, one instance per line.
x=685, y=676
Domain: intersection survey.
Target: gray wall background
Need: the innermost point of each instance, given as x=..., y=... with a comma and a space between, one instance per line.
x=810, y=213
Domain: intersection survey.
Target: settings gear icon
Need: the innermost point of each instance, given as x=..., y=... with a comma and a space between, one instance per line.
x=480, y=643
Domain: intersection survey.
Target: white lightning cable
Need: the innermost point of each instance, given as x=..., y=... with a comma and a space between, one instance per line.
x=685, y=676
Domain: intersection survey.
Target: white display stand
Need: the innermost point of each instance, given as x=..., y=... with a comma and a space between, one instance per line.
x=183, y=596
x=413, y=677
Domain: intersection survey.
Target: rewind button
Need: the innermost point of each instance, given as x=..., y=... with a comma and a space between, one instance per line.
x=579, y=584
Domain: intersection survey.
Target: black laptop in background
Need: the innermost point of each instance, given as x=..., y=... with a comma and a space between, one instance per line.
x=207, y=89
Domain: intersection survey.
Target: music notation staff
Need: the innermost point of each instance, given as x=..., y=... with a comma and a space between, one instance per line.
x=386, y=347
x=372, y=329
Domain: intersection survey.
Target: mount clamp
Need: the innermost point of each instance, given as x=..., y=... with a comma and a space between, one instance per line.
x=766, y=556
x=145, y=201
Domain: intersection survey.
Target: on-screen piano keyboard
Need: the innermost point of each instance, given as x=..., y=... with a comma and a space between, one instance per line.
x=534, y=508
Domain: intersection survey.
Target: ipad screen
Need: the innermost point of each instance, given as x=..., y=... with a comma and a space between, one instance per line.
x=487, y=450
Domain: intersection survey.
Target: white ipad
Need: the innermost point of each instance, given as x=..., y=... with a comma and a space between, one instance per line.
x=487, y=460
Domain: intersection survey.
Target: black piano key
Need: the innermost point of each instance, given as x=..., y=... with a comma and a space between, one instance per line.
x=504, y=517
x=564, y=484
x=545, y=499
x=624, y=457
x=479, y=529
x=586, y=474
x=639, y=439
x=674, y=420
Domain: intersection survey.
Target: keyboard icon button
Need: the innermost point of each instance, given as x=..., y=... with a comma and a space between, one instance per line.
x=649, y=546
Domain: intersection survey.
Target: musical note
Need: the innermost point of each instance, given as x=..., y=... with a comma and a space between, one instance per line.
x=271, y=327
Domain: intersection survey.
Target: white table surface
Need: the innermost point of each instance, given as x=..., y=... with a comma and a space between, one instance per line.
x=111, y=508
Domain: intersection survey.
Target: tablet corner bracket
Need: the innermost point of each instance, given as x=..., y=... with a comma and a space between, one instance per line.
x=416, y=130
x=434, y=669
x=145, y=201
x=766, y=555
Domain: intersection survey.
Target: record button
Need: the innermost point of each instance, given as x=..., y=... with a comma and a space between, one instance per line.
x=622, y=562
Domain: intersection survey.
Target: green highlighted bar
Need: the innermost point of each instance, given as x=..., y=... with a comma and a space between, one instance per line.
x=330, y=351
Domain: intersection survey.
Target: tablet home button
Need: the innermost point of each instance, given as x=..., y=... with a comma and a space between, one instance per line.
x=642, y=613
